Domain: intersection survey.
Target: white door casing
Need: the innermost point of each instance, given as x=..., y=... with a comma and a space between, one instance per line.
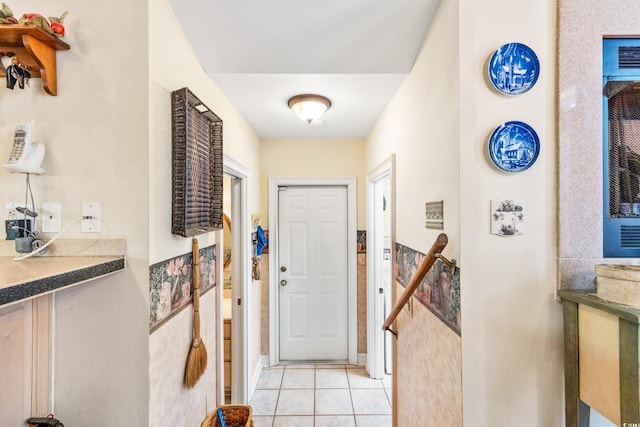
x=380, y=236
x=241, y=272
x=274, y=305
x=312, y=250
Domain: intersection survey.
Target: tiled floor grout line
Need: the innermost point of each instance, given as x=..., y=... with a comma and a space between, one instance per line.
x=328, y=385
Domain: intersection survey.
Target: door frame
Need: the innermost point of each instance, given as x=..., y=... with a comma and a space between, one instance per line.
x=240, y=274
x=352, y=276
x=375, y=319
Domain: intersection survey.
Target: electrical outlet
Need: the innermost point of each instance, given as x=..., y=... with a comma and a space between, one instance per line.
x=10, y=211
x=91, y=217
x=51, y=215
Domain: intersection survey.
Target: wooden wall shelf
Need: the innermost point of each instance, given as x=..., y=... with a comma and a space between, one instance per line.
x=34, y=48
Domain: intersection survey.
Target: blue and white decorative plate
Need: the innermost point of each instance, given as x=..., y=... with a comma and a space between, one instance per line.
x=514, y=68
x=514, y=146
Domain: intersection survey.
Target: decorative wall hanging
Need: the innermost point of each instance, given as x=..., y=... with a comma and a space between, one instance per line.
x=439, y=291
x=361, y=243
x=196, y=166
x=170, y=284
x=507, y=217
x=434, y=215
x=514, y=146
x=514, y=68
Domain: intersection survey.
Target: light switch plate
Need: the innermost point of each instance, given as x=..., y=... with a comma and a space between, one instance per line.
x=93, y=210
x=51, y=215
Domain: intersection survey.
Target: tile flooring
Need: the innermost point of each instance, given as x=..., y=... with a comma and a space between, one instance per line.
x=321, y=395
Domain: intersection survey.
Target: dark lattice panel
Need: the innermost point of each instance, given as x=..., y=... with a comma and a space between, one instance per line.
x=624, y=152
x=196, y=166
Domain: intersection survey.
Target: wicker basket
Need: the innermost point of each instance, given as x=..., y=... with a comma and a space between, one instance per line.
x=234, y=416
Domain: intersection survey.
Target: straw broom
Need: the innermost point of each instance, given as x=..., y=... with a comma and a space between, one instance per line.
x=197, y=360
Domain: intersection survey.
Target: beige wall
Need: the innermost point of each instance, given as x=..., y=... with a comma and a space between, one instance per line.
x=96, y=134
x=314, y=158
x=511, y=363
x=173, y=65
x=421, y=127
x=512, y=358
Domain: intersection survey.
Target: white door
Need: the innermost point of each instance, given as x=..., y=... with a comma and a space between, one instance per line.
x=312, y=273
x=379, y=267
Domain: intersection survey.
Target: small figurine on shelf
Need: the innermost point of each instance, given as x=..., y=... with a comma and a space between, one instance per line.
x=17, y=72
x=6, y=15
x=53, y=25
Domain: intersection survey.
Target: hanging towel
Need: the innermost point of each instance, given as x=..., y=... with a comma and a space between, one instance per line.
x=261, y=240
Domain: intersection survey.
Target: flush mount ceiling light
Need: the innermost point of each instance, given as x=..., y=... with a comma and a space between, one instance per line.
x=309, y=107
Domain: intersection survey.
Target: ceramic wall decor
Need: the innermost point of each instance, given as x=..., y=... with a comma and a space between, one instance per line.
x=514, y=68
x=507, y=217
x=514, y=146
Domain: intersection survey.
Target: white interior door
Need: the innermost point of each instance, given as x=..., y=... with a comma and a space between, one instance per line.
x=313, y=273
x=379, y=268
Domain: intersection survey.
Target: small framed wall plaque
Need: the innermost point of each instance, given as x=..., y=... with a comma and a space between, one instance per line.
x=196, y=166
x=434, y=215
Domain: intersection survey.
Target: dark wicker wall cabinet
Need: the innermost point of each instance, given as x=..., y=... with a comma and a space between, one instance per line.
x=196, y=166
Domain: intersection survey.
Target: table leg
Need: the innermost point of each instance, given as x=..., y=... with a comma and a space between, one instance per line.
x=576, y=411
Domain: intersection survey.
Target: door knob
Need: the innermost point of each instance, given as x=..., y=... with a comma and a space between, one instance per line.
x=283, y=282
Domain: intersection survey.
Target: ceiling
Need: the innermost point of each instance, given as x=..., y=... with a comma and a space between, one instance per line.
x=261, y=53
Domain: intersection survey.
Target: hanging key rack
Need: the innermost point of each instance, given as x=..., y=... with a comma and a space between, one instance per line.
x=35, y=49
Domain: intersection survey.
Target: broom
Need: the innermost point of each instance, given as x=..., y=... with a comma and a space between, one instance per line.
x=197, y=360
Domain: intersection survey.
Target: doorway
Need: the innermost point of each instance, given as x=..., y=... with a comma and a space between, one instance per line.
x=227, y=291
x=233, y=379
x=318, y=196
x=380, y=241
x=312, y=250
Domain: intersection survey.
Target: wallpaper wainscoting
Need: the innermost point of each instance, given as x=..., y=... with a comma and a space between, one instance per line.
x=170, y=284
x=439, y=290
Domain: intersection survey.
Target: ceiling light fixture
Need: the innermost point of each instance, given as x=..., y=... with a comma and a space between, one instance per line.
x=309, y=107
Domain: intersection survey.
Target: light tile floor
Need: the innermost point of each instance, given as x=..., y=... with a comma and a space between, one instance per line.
x=322, y=395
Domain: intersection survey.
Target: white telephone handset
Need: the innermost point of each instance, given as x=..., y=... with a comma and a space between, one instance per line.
x=21, y=143
x=26, y=156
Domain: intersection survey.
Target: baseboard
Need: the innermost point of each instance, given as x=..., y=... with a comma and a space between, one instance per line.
x=362, y=359
x=263, y=361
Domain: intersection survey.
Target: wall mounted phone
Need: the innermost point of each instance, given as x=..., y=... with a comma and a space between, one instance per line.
x=26, y=156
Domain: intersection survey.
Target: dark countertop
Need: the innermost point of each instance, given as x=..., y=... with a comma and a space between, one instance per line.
x=69, y=263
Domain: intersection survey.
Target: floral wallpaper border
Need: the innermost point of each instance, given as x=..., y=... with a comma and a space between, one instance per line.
x=361, y=244
x=170, y=287
x=439, y=290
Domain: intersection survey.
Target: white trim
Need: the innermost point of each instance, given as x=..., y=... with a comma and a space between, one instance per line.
x=375, y=334
x=241, y=273
x=219, y=323
x=362, y=359
x=256, y=377
x=352, y=260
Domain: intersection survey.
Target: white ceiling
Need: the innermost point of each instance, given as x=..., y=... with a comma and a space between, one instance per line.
x=260, y=53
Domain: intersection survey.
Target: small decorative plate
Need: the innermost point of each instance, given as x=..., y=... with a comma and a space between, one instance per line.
x=514, y=146
x=514, y=68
